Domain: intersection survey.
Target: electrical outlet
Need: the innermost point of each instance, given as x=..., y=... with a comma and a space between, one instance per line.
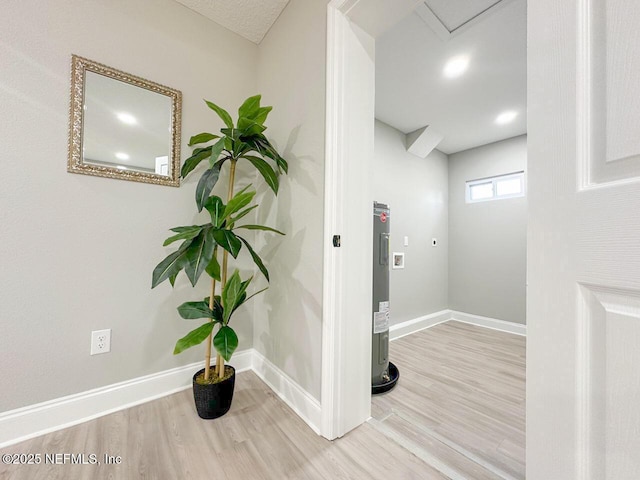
x=100, y=341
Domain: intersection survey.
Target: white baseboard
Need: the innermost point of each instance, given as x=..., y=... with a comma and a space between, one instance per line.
x=34, y=420
x=487, y=322
x=415, y=325
x=411, y=326
x=300, y=401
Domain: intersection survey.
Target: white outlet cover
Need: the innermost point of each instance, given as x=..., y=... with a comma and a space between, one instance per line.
x=406, y=241
x=100, y=341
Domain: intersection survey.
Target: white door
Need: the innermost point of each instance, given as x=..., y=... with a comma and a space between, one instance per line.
x=583, y=309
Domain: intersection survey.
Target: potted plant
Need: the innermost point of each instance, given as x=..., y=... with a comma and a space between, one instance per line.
x=198, y=252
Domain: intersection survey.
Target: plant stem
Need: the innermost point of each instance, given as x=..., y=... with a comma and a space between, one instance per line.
x=207, y=357
x=225, y=256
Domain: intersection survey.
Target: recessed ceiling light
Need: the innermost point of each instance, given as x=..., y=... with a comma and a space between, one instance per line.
x=506, y=117
x=126, y=118
x=122, y=156
x=456, y=66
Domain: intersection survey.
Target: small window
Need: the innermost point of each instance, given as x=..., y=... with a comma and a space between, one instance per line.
x=495, y=188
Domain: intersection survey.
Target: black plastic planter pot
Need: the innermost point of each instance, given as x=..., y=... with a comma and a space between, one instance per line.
x=213, y=401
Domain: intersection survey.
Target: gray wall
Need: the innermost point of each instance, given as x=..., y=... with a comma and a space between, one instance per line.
x=488, y=240
x=77, y=252
x=416, y=190
x=291, y=77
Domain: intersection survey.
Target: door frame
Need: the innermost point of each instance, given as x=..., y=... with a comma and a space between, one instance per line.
x=336, y=351
x=352, y=26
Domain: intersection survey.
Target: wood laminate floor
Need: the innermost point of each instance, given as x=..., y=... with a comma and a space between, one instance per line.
x=460, y=401
x=457, y=413
x=260, y=438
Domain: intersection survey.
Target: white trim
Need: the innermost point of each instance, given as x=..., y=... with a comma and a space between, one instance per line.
x=300, y=401
x=28, y=422
x=487, y=322
x=346, y=353
x=400, y=330
x=35, y=420
x=427, y=321
x=332, y=265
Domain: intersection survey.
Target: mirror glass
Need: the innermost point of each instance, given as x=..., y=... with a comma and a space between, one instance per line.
x=123, y=126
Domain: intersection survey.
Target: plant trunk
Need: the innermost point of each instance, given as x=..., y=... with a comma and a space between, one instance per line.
x=207, y=356
x=225, y=256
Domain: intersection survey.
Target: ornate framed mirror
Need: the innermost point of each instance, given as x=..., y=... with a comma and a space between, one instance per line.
x=123, y=126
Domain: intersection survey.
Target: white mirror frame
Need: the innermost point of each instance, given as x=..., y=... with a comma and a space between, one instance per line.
x=79, y=67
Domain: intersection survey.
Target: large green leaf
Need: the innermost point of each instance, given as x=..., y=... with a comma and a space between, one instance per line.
x=199, y=255
x=269, y=151
x=248, y=127
x=242, y=148
x=252, y=144
x=202, y=138
x=184, y=233
x=222, y=113
x=227, y=240
x=239, y=302
x=256, y=258
x=192, y=162
x=194, y=337
x=265, y=170
x=171, y=265
x=231, y=133
x=216, y=150
x=217, y=308
x=283, y=166
x=185, y=228
x=244, y=298
x=230, y=294
x=205, y=185
x=239, y=201
x=242, y=294
x=244, y=212
x=192, y=310
x=261, y=227
x=225, y=342
x=261, y=115
x=250, y=107
x=213, y=269
x=215, y=207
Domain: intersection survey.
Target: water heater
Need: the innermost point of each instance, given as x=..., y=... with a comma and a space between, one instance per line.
x=384, y=374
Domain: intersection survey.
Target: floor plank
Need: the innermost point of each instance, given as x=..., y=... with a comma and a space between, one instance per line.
x=260, y=438
x=459, y=406
x=461, y=398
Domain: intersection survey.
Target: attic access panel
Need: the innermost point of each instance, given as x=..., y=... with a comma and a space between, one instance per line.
x=454, y=15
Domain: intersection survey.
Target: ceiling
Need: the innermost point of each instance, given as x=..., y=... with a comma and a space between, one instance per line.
x=412, y=91
x=251, y=19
